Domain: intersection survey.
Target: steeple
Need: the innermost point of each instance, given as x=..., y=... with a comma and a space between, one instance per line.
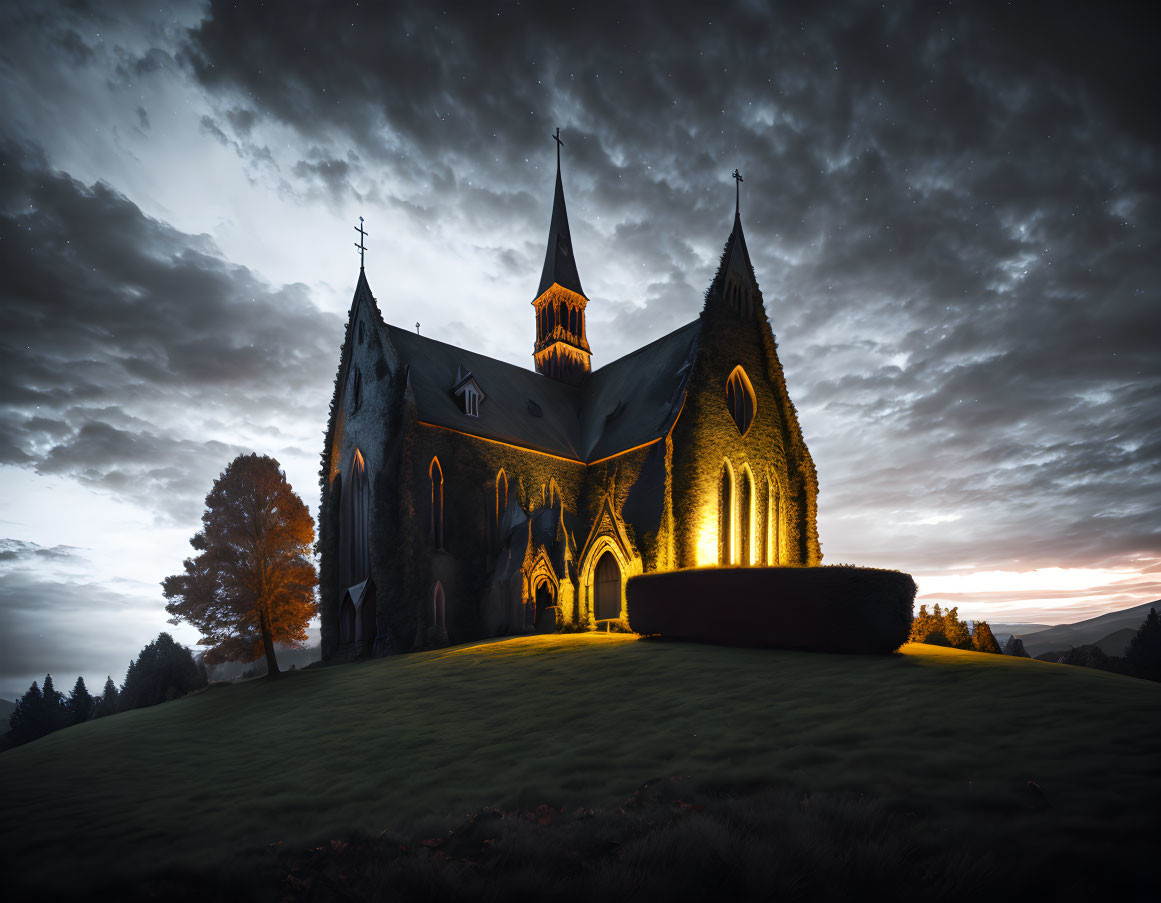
x=562, y=349
x=734, y=282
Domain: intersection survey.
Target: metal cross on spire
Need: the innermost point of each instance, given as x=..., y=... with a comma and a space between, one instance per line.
x=559, y=145
x=360, y=244
x=737, y=191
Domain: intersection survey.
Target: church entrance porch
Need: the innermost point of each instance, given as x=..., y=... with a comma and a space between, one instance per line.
x=544, y=619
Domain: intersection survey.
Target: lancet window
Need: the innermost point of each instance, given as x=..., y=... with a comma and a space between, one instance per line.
x=726, y=515
x=435, y=475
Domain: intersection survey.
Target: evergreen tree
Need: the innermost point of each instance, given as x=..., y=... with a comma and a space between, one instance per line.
x=1143, y=655
x=983, y=640
x=56, y=713
x=1015, y=646
x=956, y=630
x=107, y=703
x=27, y=721
x=164, y=670
x=920, y=625
x=80, y=703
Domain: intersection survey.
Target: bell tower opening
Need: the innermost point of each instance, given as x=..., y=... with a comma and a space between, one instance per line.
x=562, y=348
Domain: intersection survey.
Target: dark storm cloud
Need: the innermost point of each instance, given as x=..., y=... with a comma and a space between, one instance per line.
x=953, y=213
x=125, y=340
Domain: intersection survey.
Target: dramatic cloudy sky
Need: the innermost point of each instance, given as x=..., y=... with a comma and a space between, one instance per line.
x=952, y=210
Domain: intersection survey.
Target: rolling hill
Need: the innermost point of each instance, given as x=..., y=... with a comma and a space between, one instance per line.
x=1007, y=764
x=1093, y=630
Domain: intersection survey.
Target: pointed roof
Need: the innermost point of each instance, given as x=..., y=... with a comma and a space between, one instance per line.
x=559, y=263
x=735, y=256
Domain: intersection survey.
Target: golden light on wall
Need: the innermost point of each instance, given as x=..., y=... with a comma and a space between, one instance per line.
x=707, y=535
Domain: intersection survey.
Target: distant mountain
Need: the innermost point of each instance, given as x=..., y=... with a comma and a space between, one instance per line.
x=1095, y=630
x=6, y=710
x=1115, y=642
x=1002, y=631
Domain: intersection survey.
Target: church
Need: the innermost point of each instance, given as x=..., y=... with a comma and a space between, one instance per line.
x=464, y=497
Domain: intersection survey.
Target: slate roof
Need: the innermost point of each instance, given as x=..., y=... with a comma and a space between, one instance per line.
x=626, y=403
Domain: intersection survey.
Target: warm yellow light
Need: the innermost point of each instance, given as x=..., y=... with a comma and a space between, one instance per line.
x=707, y=535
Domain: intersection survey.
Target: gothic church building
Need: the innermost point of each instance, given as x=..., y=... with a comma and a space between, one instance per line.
x=464, y=497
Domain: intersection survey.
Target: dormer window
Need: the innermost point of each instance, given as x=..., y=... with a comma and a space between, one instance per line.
x=471, y=402
x=468, y=391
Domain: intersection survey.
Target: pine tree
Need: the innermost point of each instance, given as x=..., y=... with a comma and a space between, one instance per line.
x=107, y=703
x=920, y=625
x=1015, y=646
x=983, y=640
x=56, y=714
x=80, y=703
x=164, y=670
x=1143, y=655
x=956, y=630
x=27, y=721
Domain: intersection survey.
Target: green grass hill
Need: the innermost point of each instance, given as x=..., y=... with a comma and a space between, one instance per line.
x=1003, y=760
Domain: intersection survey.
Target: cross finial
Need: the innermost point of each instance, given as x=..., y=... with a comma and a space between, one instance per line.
x=360, y=244
x=559, y=145
x=737, y=191
x=417, y=327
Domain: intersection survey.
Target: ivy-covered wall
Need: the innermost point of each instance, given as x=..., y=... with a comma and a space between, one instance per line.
x=706, y=437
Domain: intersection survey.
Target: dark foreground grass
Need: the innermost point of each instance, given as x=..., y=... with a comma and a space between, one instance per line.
x=944, y=769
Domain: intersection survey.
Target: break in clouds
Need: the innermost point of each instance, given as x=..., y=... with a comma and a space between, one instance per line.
x=952, y=211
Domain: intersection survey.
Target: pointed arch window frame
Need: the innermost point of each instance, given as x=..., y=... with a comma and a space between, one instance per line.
x=435, y=477
x=739, y=390
x=501, y=494
x=726, y=499
x=747, y=496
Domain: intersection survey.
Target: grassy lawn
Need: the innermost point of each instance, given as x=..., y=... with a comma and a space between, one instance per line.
x=949, y=738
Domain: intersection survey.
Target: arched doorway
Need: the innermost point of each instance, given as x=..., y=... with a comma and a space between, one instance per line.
x=347, y=620
x=607, y=588
x=545, y=599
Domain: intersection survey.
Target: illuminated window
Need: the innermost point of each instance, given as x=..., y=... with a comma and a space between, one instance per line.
x=356, y=521
x=740, y=399
x=746, y=519
x=772, y=505
x=726, y=516
x=435, y=473
x=501, y=495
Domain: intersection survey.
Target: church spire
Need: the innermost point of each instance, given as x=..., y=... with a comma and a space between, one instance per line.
x=562, y=349
x=559, y=264
x=734, y=282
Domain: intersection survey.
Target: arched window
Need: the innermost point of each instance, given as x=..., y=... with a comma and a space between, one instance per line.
x=746, y=519
x=356, y=521
x=726, y=516
x=772, y=506
x=435, y=473
x=740, y=399
x=607, y=588
x=501, y=495
x=439, y=608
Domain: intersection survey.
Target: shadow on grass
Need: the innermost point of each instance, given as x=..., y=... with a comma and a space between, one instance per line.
x=672, y=840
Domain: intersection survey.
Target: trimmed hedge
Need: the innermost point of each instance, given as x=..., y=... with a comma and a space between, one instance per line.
x=836, y=608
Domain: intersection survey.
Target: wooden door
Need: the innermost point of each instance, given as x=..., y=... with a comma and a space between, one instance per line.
x=607, y=588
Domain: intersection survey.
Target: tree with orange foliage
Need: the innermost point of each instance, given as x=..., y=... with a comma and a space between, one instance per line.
x=252, y=583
